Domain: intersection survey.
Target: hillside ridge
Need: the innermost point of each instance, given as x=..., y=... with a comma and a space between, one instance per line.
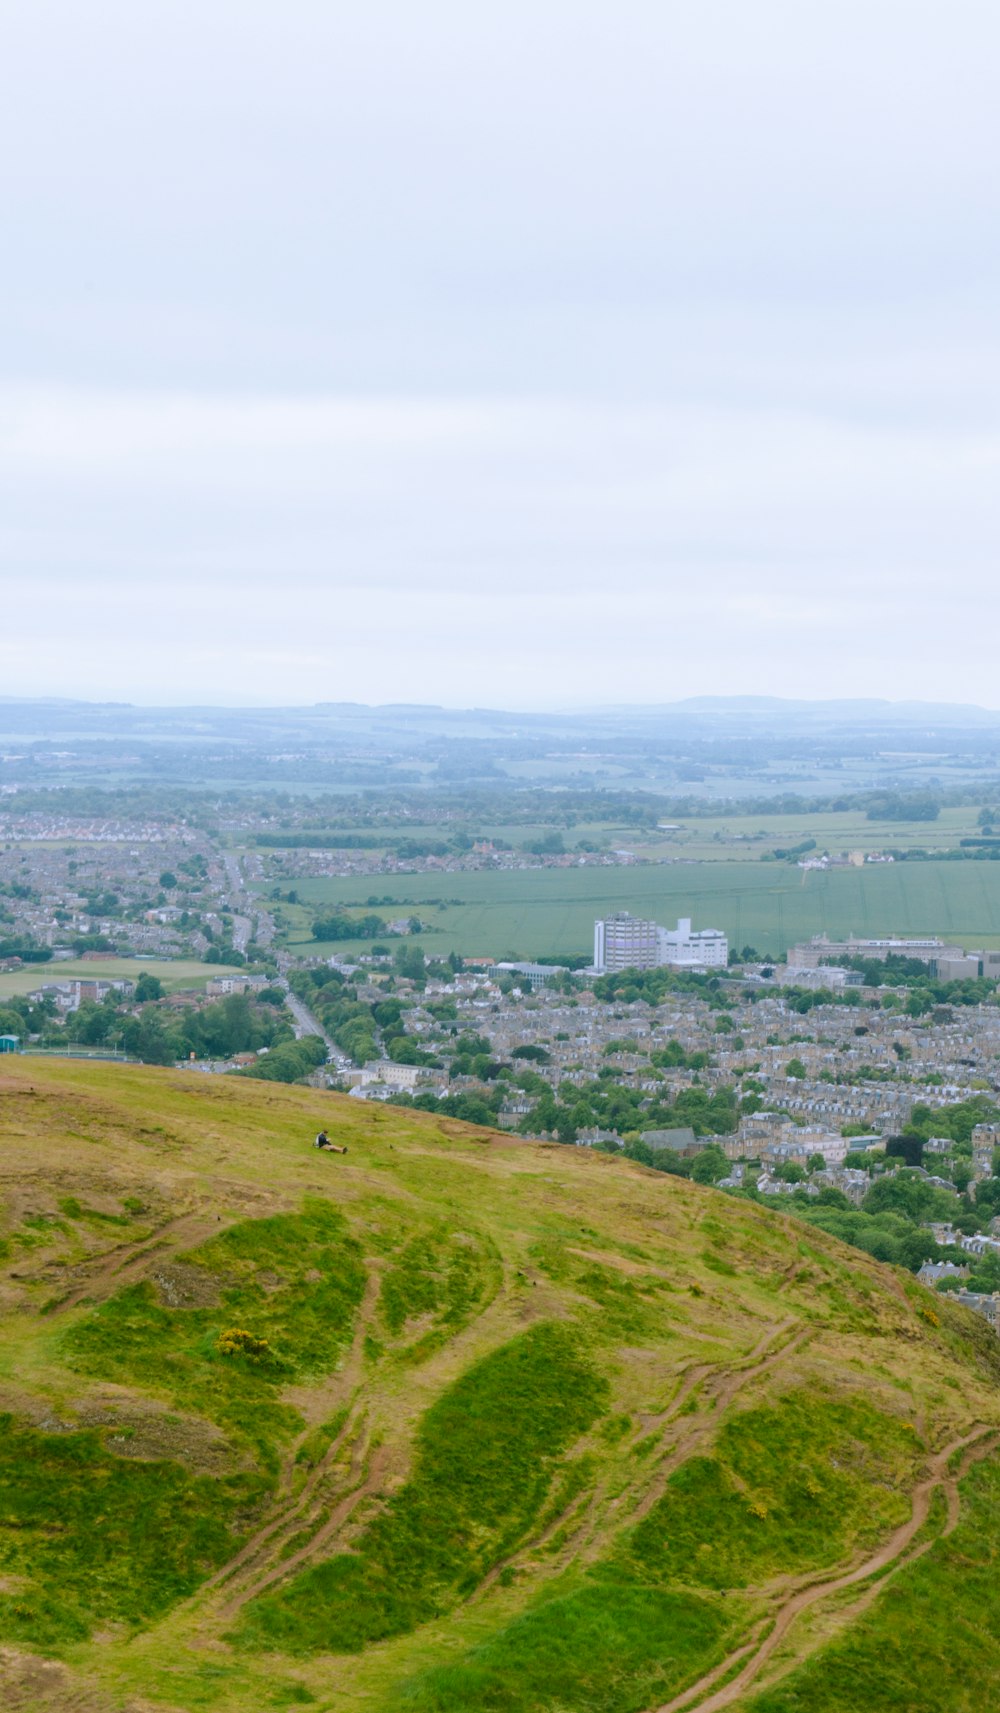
x=457, y=1420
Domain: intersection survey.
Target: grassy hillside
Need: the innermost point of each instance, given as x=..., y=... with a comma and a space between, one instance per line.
x=455, y=1422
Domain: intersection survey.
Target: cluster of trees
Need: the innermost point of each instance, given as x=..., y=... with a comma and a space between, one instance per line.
x=627, y=986
x=903, y=806
x=920, y=983
x=365, y=1029
x=17, y=946
x=790, y=853
x=344, y=927
x=289, y=1061
x=891, y=1223
x=160, y=1035
x=22, y=1017
x=674, y=1057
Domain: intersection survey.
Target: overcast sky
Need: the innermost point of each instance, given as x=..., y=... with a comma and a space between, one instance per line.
x=523, y=354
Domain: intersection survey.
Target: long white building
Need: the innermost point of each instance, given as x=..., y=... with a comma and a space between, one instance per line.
x=698, y=948
x=624, y=942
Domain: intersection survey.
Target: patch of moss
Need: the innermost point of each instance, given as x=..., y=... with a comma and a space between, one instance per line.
x=930, y=1641
x=604, y=1648
x=442, y=1275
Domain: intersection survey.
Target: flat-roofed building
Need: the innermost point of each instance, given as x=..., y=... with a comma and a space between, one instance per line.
x=685, y=947
x=810, y=954
x=625, y=942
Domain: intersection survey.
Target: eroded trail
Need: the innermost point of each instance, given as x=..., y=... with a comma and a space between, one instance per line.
x=704, y=1697
x=105, y=1273
x=684, y=1434
x=585, y=1518
x=323, y=1503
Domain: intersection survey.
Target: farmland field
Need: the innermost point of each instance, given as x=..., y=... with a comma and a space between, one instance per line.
x=708, y=837
x=717, y=837
x=551, y=911
x=184, y=972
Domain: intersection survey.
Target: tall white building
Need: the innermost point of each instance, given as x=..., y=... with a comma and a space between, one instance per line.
x=625, y=942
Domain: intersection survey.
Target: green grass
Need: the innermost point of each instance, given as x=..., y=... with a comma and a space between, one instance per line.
x=792, y=1486
x=531, y=1360
x=485, y=1460
x=602, y=1649
x=769, y=905
x=174, y=974
x=294, y=1280
x=438, y=1280
x=719, y=837
x=930, y=1643
x=97, y=1537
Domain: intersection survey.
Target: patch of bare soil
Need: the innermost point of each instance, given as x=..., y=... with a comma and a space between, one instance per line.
x=181, y=1285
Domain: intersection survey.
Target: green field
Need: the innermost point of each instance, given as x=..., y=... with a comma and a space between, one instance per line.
x=708, y=838
x=547, y=912
x=185, y=972
x=714, y=837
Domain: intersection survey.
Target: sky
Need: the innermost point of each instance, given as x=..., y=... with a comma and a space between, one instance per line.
x=535, y=354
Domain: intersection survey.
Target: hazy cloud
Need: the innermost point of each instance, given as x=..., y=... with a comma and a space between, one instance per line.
x=530, y=354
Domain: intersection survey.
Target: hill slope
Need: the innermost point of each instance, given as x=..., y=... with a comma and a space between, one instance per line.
x=455, y=1422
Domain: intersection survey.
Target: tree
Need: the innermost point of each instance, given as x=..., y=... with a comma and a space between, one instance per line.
x=148, y=987
x=148, y=1040
x=856, y=1162
x=795, y=1068
x=907, y=1147
x=906, y=1193
x=565, y=1127
x=815, y=1163
x=411, y=964
x=709, y=1166
x=988, y=1196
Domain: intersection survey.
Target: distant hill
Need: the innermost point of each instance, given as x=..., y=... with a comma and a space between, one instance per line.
x=842, y=711
x=458, y=1422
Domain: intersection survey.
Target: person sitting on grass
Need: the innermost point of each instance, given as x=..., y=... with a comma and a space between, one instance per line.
x=323, y=1141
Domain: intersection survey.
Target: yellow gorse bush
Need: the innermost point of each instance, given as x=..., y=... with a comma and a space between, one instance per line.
x=236, y=1341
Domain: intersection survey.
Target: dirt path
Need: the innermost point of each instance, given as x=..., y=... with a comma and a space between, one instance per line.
x=324, y=1536
x=721, y=1387
x=892, y=1553
x=106, y=1272
x=585, y=1512
x=253, y=1567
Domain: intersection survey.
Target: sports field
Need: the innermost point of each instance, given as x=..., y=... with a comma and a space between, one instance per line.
x=546, y=912
x=185, y=972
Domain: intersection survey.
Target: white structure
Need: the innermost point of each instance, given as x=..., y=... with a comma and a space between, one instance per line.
x=687, y=948
x=528, y=975
x=624, y=942
x=384, y=1071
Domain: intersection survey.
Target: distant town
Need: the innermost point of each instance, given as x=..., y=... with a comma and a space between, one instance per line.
x=771, y=996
